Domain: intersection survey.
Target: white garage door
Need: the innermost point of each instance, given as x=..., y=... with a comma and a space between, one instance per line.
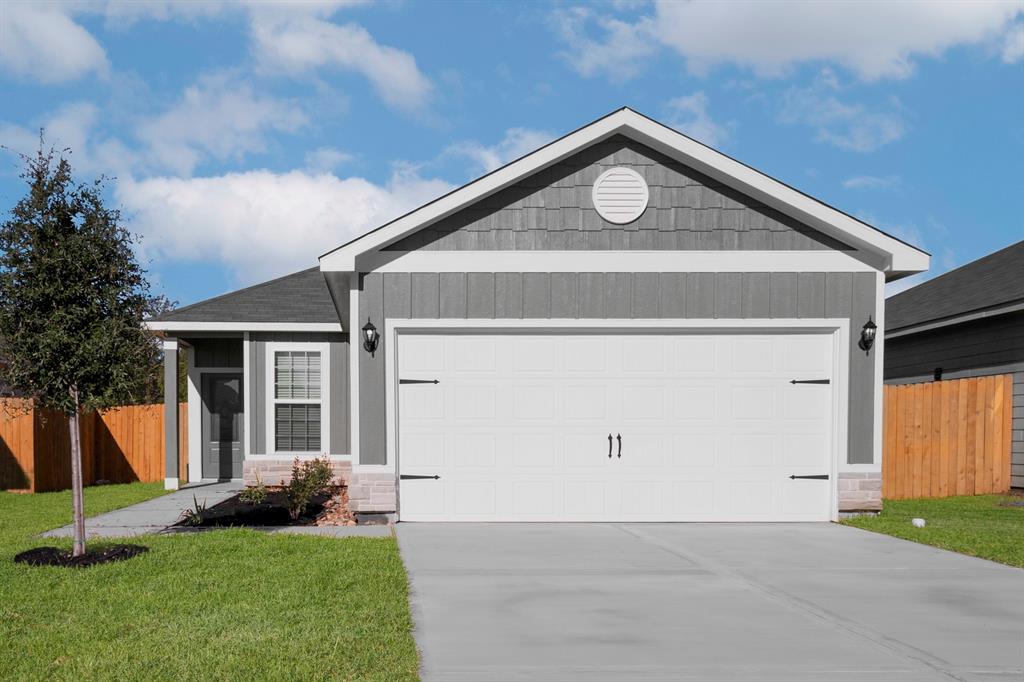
x=614, y=427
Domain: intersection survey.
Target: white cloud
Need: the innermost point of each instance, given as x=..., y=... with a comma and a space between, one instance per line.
x=690, y=116
x=326, y=159
x=72, y=127
x=1013, y=45
x=262, y=224
x=41, y=41
x=516, y=142
x=619, y=53
x=870, y=182
x=872, y=39
x=216, y=117
x=847, y=125
x=295, y=43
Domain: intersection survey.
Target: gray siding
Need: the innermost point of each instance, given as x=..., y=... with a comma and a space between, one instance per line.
x=616, y=295
x=337, y=386
x=553, y=210
x=989, y=346
x=216, y=353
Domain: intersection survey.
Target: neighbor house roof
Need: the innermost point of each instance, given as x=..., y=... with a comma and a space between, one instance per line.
x=988, y=286
x=889, y=254
x=301, y=298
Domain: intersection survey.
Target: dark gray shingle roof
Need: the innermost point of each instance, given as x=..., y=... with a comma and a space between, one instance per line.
x=993, y=281
x=299, y=297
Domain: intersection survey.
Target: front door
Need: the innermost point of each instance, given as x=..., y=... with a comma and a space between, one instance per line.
x=222, y=425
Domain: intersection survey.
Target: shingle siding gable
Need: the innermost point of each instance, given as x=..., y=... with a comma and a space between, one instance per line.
x=553, y=210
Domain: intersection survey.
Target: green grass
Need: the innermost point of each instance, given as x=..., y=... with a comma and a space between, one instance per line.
x=224, y=605
x=981, y=526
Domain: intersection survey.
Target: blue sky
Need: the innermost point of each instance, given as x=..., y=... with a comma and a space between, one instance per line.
x=243, y=140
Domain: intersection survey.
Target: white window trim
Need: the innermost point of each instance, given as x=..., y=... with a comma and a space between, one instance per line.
x=838, y=328
x=324, y=349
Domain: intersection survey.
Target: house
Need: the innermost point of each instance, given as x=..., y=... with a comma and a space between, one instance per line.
x=621, y=325
x=968, y=322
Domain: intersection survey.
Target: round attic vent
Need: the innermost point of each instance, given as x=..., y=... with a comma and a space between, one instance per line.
x=620, y=195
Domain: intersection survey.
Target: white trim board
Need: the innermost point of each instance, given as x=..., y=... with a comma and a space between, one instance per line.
x=612, y=261
x=156, y=325
x=898, y=257
x=839, y=328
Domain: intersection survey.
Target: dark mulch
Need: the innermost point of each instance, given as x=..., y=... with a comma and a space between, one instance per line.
x=52, y=556
x=273, y=511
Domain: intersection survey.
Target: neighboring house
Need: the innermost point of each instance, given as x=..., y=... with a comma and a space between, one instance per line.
x=968, y=322
x=621, y=325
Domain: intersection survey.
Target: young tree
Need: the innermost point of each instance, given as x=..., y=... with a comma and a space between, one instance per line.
x=72, y=301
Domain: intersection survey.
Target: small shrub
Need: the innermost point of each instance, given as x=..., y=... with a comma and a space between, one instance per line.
x=193, y=516
x=254, y=494
x=308, y=479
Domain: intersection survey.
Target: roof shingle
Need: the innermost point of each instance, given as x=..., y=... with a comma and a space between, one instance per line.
x=993, y=281
x=299, y=297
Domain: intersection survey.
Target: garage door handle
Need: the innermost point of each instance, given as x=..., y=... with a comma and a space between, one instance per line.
x=619, y=437
x=609, y=446
x=406, y=477
x=818, y=477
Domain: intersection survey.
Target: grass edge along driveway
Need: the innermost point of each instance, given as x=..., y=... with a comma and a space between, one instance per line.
x=984, y=526
x=226, y=605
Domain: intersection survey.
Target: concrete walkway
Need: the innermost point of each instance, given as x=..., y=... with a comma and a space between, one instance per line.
x=151, y=516
x=710, y=602
x=160, y=513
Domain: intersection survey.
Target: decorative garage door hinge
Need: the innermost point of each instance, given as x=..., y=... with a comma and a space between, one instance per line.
x=817, y=477
x=811, y=381
x=408, y=476
x=418, y=381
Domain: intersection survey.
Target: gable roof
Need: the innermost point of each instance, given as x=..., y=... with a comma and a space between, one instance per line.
x=891, y=255
x=988, y=286
x=299, y=298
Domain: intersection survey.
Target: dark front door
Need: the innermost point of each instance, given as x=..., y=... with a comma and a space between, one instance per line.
x=222, y=425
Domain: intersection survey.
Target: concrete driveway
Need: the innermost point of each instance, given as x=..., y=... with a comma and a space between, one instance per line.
x=619, y=602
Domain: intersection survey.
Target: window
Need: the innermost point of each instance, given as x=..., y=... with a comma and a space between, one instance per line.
x=297, y=401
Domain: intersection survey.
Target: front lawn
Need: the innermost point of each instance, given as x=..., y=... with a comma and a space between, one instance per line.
x=984, y=526
x=225, y=605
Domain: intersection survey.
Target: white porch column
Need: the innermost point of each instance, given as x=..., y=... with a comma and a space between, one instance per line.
x=171, y=445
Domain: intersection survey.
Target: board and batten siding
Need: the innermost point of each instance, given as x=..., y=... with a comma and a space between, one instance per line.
x=336, y=384
x=617, y=295
x=993, y=345
x=553, y=210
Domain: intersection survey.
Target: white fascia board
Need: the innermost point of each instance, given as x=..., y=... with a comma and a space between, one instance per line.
x=613, y=261
x=243, y=326
x=899, y=258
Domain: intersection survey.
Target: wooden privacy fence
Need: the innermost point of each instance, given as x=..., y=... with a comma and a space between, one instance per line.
x=947, y=438
x=119, y=445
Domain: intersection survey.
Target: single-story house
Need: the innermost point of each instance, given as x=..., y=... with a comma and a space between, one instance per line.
x=968, y=322
x=624, y=324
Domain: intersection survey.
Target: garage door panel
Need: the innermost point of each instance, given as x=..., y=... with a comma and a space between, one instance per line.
x=752, y=450
x=694, y=402
x=474, y=450
x=475, y=354
x=711, y=427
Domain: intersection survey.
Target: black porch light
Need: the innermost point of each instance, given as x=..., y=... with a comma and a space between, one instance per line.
x=370, y=337
x=867, y=335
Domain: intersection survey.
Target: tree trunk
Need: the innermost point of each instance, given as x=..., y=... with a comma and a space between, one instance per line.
x=77, y=503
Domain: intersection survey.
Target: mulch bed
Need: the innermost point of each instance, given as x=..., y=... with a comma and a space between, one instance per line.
x=327, y=509
x=52, y=556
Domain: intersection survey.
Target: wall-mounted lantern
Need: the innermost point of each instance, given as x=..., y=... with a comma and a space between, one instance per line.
x=867, y=335
x=370, y=337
